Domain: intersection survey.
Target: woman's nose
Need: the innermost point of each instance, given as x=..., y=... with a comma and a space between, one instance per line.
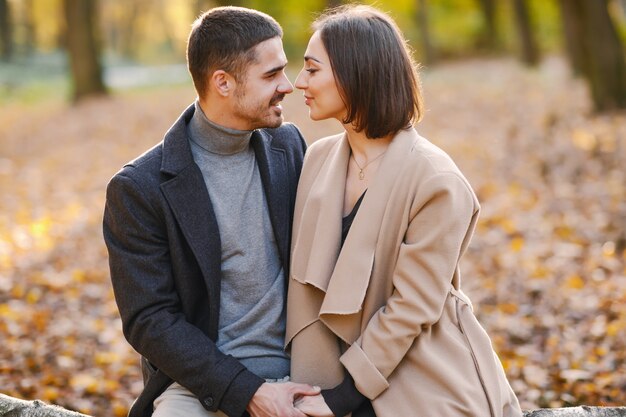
x=300, y=83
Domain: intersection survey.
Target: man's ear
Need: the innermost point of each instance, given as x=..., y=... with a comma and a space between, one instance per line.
x=223, y=83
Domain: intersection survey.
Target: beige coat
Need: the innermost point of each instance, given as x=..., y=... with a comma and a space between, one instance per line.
x=388, y=307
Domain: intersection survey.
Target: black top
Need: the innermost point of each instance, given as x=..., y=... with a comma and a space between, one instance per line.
x=345, y=398
x=346, y=223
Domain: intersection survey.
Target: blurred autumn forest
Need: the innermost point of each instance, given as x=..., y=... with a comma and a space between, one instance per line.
x=526, y=95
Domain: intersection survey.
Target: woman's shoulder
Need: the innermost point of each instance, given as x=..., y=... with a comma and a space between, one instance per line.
x=319, y=151
x=432, y=168
x=325, y=144
x=431, y=158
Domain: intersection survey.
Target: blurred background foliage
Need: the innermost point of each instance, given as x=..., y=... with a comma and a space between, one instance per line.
x=523, y=94
x=37, y=35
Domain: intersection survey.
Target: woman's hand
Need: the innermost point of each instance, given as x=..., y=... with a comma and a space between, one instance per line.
x=314, y=406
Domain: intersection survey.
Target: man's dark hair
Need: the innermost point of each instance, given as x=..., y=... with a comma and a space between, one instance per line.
x=224, y=38
x=375, y=73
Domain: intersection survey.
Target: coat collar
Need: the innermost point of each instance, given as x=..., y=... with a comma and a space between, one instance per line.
x=344, y=276
x=272, y=163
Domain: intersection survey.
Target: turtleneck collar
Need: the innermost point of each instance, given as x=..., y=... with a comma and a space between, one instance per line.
x=215, y=138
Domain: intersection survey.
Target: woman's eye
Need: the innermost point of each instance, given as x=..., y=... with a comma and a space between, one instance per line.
x=310, y=70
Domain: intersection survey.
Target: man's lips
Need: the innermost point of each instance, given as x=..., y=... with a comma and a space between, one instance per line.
x=276, y=100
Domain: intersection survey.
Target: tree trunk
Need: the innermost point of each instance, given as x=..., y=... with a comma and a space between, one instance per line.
x=83, y=48
x=595, y=51
x=489, y=38
x=6, y=31
x=165, y=26
x=607, y=68
x=128, y=29
x=30, y=36
x=422, y=23
x=572, y=33
x=530, y=53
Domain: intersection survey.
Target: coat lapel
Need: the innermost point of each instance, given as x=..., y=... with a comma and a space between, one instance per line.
x=189, y=200
x=317, y=227
x=345, y=277
x=275, y=179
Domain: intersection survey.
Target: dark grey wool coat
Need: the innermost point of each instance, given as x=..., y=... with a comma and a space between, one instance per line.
x=165, y=261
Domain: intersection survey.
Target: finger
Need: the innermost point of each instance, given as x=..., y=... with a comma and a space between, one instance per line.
x=298, y=413
x=304, y=389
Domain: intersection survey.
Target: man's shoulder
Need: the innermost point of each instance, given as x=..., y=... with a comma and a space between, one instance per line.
x=145, y=166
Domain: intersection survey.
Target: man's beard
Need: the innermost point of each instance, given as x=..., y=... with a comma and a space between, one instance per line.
x=261, y=116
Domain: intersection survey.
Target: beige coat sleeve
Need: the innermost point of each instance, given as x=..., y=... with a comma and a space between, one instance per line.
x=440, y=222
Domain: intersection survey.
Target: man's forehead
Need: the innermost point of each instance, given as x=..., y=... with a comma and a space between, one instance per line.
x=269, y=55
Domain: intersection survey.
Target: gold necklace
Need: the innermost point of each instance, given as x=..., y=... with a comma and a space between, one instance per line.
x=361, y=168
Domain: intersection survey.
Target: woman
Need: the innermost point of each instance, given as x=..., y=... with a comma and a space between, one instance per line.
x=376, y=316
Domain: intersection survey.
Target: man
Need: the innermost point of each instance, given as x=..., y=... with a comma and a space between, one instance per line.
x=198, y=231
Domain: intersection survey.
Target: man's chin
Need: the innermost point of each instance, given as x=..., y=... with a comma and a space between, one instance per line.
x=269, y=124
x=275, y=122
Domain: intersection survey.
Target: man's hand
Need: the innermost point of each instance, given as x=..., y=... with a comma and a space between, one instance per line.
x=276, y=399
x=314, y=405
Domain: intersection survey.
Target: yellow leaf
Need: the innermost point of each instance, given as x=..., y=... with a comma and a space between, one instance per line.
x=508, y=225
x=33, y=296
x=85, y=382
x=575, y=282
x=50, y=394
x=508, y=308
x=119, y=409
x=584, y=140
x=7, y=312
x=79, y=275
x=615, y=327
x=111, y=385
x=18, y=291
x=517, y=244
x=106, y=358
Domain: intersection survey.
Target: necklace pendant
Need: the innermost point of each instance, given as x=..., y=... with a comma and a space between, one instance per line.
x=361, y=175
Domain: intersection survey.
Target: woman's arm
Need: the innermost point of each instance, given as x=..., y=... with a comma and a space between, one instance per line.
x=442, y=217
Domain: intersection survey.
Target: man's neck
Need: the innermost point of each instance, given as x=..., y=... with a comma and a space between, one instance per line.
x=215, y=138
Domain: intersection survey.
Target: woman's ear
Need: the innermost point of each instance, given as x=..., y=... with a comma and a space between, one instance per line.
x=222, y=83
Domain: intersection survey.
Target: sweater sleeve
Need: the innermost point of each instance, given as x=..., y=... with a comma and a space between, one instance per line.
x=344, y=398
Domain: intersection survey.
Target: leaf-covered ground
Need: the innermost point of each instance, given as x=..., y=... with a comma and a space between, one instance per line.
x=546, y=269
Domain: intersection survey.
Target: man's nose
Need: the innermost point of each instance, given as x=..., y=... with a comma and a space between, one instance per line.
x=285, y=86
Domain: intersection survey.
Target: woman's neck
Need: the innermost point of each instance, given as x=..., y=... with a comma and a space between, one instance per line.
x=365, y=149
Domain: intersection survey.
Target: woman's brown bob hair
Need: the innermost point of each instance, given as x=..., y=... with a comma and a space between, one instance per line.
x=375, y=73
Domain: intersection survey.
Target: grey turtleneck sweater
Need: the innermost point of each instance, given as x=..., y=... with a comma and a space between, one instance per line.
x=252, y=313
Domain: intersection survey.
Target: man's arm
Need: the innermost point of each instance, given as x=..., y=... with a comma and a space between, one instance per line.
x=153, y=321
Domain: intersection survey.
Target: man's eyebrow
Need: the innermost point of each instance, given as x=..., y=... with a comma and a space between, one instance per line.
x=310, y=58
x=275, y=69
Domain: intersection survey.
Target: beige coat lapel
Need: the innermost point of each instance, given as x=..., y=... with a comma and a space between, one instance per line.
x=318, y=211
x=344, y=277
x=342, y=305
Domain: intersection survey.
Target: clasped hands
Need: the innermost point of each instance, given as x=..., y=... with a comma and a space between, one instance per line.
x=288, y=399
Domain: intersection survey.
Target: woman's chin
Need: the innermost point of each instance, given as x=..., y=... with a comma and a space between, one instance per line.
x=316, y=116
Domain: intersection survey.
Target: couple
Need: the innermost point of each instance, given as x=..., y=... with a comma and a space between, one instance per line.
x=205, y=232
